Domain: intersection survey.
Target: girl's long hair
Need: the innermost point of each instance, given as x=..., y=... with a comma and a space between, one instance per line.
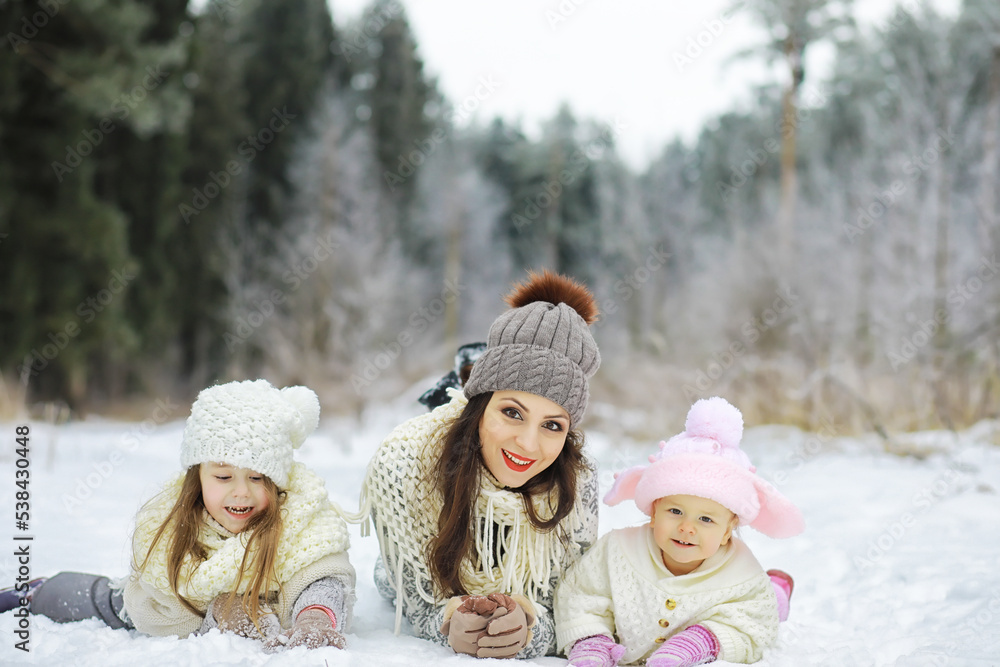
x=456, y=475
x=186, y=552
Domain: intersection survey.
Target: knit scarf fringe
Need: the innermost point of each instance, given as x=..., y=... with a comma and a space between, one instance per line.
x=529, y=558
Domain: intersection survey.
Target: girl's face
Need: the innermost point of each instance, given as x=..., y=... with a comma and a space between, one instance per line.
x=521, y=434
x=232, y=495
x=689, y=529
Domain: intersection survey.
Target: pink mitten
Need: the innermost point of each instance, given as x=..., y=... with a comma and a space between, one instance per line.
x=692, y=646
x=596, y=651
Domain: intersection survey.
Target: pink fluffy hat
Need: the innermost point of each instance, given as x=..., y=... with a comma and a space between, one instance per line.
x=706, y=461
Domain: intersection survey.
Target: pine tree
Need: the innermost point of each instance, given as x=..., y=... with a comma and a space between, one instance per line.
x=399, y=92
x=288, y=49
x=346, y=290
x=84, y=79
x=142, y=173
x=507, y=158
x=214, y=189
x=397, y=96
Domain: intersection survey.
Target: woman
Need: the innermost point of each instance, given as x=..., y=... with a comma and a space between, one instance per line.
x=480, y=505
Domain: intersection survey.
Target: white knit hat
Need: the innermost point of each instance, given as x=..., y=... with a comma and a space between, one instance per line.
x=251, y=425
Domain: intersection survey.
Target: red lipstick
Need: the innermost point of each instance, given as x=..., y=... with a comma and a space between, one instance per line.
x=516, y=463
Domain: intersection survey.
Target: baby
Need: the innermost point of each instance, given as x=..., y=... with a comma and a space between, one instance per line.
x=681, y=590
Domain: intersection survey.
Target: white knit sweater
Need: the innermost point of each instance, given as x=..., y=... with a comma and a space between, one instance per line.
x=621, y=588
x=313, y=545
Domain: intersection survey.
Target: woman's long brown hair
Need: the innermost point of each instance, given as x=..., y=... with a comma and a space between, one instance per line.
x=262, y=533
x=457, y=477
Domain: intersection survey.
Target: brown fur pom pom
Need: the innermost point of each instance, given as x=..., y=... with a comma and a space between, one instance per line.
x=554, y=288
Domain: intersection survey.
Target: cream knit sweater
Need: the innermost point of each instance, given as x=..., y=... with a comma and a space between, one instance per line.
x=621, y=588
x=510, y=556
x=313, y=545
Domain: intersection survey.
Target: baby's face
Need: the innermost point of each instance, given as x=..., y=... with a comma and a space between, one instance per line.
x=232, y=495
x=689, y=529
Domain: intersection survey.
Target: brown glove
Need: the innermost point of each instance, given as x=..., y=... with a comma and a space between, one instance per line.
x=233, y=618
x=492, y=625
x=313, y=628
x=468, y=622
x=508, y=630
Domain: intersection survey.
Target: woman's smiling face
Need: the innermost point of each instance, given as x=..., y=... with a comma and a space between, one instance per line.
x=521, y=435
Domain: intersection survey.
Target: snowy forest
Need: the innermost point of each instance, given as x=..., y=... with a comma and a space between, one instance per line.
x=253, y=188
x=199, y=191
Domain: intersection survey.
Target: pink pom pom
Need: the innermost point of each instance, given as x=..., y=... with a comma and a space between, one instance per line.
x=717, y=419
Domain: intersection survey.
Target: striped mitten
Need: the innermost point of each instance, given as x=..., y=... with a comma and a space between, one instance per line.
x=694, y=645
x=596, y=651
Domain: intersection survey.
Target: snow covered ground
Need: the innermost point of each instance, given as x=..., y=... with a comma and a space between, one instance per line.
x=898, y=565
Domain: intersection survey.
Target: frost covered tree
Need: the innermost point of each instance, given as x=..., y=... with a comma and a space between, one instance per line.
x=342, y=284
x=793, y=25
x=460, y=210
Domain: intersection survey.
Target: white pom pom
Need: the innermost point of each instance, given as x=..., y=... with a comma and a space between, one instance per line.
x=717, y=419
x=305, y=401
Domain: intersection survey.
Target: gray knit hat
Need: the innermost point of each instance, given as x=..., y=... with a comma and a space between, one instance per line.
x=542, y=345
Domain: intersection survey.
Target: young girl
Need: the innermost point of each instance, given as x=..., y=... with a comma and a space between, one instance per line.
x=681, y=590
x=244, y=539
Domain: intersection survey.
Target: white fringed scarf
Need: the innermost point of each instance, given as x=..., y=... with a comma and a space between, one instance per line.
x=405, y=511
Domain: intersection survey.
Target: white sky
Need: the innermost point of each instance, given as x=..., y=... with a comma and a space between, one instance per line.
x=609, y=59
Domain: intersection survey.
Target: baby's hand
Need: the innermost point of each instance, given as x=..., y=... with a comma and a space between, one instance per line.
x=667, y=660
x=595, y=651
x=694, y=645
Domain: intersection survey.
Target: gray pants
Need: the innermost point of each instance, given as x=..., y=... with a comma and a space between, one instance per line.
x=74, y=596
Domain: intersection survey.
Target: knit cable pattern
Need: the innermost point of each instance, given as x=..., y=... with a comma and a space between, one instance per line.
x=538, y=370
